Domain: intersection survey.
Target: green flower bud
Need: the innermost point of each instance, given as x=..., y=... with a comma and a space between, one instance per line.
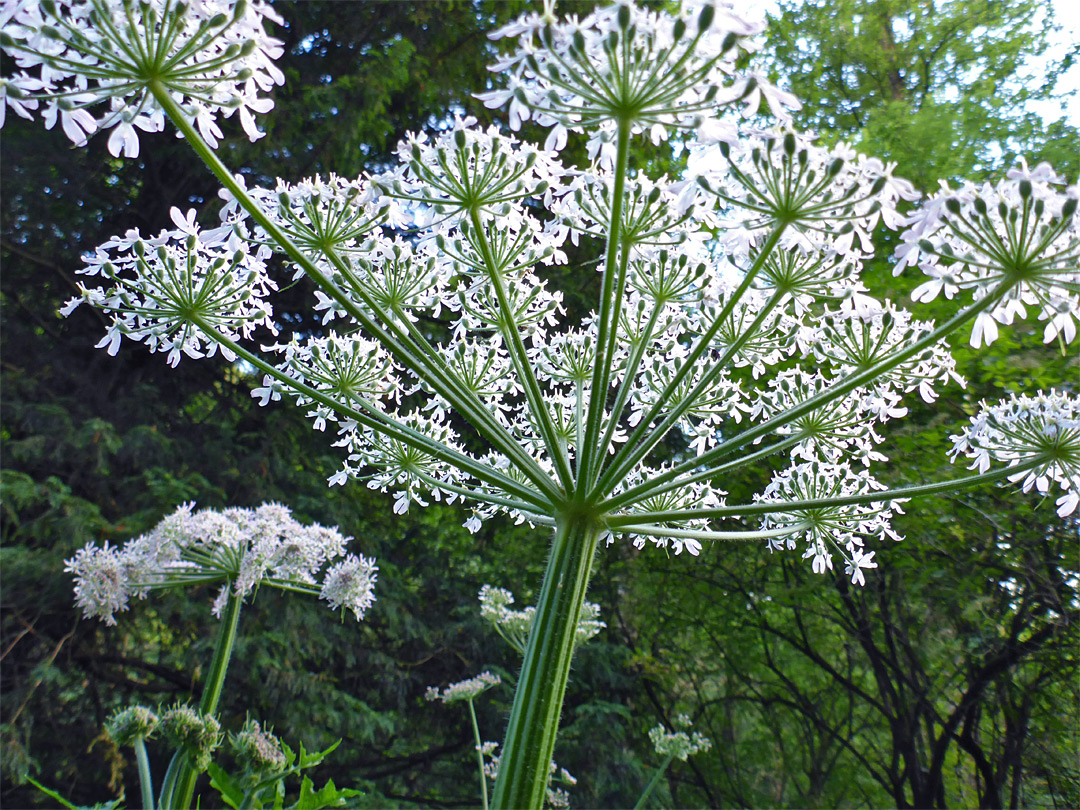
x=1025, y=189
x=952, y=205
x=705, y=19
x=1069, y=208
x=623, y=17
x=198, y=734
x=217, y=21
x=131, y=724
x=980, y=206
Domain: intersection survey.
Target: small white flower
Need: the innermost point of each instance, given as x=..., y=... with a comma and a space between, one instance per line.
x=464, y=690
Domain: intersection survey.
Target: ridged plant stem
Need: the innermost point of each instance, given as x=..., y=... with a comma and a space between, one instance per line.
x=524, y=767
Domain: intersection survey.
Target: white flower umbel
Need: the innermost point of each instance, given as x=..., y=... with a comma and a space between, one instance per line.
x=679, y=744
x=625, y=63
x=514, y=625
x=829, y=527
x=463, y=690
x=168, y=290
x=1016, y=244
x=1041, y=432
x=213, y=58
x=239, y=548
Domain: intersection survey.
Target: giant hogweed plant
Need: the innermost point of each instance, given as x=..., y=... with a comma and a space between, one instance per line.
x=730, y=315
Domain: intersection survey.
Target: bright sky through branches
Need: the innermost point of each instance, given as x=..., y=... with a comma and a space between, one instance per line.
x=1067, y=13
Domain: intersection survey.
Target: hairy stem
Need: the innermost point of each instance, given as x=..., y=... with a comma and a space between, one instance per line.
x=524, y=767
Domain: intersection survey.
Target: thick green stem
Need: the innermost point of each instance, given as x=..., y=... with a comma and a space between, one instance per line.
x=168, y=784
x=215, y=682
x=146, y=782
x=525, y=764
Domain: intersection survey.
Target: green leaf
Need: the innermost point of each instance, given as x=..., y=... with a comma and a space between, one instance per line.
x=52, y=794
x=223, y=783
x=328, y=796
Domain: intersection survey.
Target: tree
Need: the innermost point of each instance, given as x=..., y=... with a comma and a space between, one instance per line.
x=937, y=86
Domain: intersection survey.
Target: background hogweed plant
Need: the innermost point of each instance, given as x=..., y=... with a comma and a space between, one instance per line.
x=731, y=321
x=243, y=550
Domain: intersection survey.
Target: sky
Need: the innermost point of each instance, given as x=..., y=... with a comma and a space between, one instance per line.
x=1067, y=13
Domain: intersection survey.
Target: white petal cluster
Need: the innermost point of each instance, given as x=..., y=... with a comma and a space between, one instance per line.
x=1044, y=429
x=463, y=690
x=514, y=625
x=679, y=744
x=170, y=290
x=1017, y=243
x=835, y=197
x=831, y=527
x=242, y=548
x=214, y=58
x=624, y=62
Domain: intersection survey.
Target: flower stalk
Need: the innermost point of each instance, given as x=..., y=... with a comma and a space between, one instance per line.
x=525, y=765
x=184, y=789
